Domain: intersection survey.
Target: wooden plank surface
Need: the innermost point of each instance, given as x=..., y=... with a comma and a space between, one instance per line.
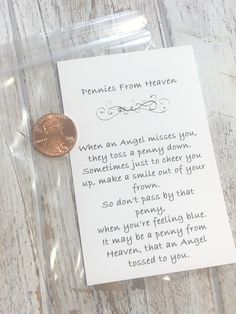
x=41, y=268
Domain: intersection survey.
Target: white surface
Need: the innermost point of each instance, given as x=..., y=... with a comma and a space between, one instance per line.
x=98, y=124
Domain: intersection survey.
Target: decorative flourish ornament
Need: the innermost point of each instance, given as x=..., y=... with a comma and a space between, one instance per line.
x=154, y=105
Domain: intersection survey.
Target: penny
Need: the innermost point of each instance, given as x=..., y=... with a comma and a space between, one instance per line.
x=54, y=135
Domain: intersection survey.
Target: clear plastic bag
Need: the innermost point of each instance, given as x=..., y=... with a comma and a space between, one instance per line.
x=43, y=206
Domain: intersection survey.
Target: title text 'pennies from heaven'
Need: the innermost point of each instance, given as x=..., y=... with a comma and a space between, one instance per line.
x=54, y=135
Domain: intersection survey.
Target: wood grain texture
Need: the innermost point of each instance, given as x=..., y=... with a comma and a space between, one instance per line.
x=41, y=266
x=21, y=280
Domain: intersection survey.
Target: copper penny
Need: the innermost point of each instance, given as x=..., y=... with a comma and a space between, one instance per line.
x=54, y=135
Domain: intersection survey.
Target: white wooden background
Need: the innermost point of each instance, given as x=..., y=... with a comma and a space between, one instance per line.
x=41, y=267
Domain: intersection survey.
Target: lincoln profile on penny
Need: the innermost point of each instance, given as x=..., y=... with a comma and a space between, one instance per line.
x=54, y=135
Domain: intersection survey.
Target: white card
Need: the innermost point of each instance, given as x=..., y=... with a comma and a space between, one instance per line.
x=148, y=193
